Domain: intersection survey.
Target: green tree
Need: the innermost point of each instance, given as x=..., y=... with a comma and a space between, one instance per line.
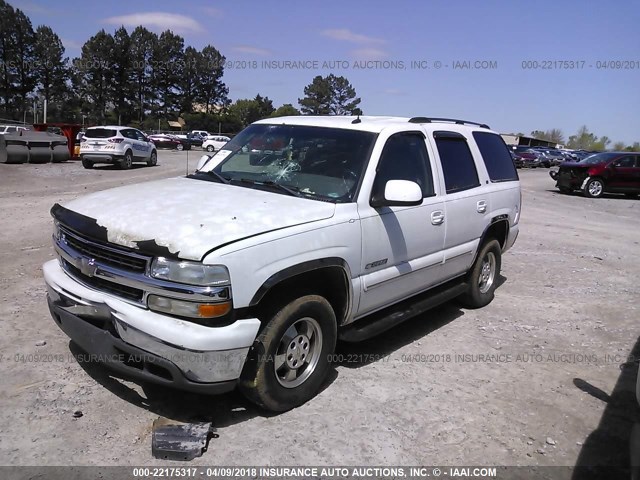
x=330, y=95
x=583, y=139
x=94, y=74
x=212, y=92
x=248, y=111
x=633, y=148
x=167, y=72
x=618, y=146
x=143, y=44
x=190, y=81
x=344, y=100
x=7, y=56
x=121, y=87
x=24, y=59
x=51, y=69
x=317, y=99
x=286, y=110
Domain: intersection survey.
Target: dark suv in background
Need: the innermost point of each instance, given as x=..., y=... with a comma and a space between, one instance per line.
x=614, y=172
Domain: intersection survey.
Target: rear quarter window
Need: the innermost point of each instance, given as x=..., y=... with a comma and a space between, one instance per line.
x=100, y=133
x=496, y=157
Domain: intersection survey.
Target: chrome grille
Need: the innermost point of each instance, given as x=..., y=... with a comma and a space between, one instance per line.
x=108, y=255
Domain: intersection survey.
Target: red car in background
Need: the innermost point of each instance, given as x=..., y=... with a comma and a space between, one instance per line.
x=609, y=172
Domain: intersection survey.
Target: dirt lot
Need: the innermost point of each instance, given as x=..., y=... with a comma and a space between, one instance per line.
x=524, y=381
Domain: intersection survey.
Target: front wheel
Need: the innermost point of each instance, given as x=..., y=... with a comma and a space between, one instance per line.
x=290, y=357
x=210, y=148
x=483, y=275
x=87, y=164
x=594, y=188
x=179, y=147
x=153, y=159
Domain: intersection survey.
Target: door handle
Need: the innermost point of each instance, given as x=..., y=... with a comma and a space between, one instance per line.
x=437, y=217
x=481, y=206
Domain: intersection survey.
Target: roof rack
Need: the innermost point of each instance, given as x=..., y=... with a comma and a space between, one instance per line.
x=450, y=120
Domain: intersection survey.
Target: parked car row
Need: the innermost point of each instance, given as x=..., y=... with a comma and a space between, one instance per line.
x=525, y=156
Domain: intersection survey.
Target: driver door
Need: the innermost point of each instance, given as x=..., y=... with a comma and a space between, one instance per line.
x=402, y=247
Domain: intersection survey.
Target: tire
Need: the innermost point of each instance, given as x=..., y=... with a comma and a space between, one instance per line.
x=127, y=161
x=594, y=188
x=210, y=148
x=483, y=275
x=153, y=159
x=303, y=332
x=87, y=164
x=179, y=147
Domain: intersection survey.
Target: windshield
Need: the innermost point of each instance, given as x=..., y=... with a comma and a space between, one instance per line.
x=598, y=158
x=100, y=133
x=325, y=163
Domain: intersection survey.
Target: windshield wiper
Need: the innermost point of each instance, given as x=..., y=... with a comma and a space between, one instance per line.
x=217, y=175
x=293, y=191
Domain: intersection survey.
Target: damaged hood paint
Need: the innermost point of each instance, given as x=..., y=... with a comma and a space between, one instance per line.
x=191, y=217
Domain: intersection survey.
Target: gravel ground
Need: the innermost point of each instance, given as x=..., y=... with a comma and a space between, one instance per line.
x=539, y=377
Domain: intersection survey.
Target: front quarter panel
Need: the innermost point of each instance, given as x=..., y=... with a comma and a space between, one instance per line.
x=251, y=262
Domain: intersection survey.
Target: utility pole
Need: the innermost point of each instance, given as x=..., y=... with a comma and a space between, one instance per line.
x=44, y=113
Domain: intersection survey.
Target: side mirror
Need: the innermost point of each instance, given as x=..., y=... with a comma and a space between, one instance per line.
x=203, y=160
x=399, y=193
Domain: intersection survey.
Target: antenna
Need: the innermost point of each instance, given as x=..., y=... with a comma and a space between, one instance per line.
x=357, y=120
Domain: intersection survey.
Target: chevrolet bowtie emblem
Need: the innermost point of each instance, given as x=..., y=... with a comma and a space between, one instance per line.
x=88, y=267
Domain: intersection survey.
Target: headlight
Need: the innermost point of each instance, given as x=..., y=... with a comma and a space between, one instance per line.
x=183, y=308
x=190, y=273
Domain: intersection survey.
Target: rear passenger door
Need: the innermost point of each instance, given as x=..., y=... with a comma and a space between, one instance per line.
x=467, y=205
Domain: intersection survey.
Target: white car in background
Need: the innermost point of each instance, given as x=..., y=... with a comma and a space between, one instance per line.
x=12, y=129
x=117, y=145
x=214, y=143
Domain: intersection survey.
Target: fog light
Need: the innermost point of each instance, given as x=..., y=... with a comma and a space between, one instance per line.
x=184, y=308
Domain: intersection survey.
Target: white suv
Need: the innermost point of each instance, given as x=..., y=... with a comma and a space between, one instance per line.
x=214, y=143
x=310, y=229
x=117, y=145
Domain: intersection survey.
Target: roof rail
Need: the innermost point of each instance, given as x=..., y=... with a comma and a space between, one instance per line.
x=450, y=120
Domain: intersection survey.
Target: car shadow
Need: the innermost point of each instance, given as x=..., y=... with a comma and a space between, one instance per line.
x=222, y=410
x=232, y=408
x=134, y=166
x=578, y=193
x=608, y=450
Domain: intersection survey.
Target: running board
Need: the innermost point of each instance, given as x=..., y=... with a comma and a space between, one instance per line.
x=383, y=320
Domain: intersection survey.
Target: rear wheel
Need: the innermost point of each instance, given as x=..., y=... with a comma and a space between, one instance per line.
x=290, y=357
x=127, y=161
x=87, y=164
x=153, y=159
x=594, y=188
x=483, y=275
x=210, y=148
x=179, y=147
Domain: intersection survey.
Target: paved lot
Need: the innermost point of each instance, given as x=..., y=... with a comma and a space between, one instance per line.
x=547, y=360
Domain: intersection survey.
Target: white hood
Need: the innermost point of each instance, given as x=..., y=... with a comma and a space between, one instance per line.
x=191, y=217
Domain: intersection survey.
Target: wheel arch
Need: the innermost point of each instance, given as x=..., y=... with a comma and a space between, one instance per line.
x=498, y=229
x=329, y=277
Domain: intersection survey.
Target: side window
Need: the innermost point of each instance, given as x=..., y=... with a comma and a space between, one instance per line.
x=627, y=161
x=128, y=133
x=496, y=157
x=458, y=166
x=139, y=135
x=404, y=157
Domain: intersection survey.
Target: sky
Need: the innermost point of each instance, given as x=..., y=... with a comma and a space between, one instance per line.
x=504, y=63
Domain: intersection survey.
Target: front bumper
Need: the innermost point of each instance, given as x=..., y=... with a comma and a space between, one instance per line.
x=147, y=345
